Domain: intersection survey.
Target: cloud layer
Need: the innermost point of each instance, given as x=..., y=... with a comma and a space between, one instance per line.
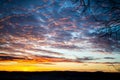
x=54, y=31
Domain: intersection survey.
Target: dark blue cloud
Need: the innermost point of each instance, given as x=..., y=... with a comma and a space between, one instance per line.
x=25, y=24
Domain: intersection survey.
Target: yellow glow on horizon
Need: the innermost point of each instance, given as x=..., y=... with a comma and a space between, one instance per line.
x=56, y=66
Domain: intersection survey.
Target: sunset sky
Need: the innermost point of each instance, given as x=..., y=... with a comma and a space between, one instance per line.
x=53, y=35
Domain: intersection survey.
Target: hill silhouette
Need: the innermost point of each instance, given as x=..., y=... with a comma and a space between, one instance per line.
x=58, y=75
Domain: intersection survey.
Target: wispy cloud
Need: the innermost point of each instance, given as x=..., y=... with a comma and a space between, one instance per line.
x=55, y=31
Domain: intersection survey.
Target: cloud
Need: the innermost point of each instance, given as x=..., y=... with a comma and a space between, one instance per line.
x=34, y=58
x=86, y=59
x=4, y=56
x=46, y=51
x=41, y=58
x=65, y=46
x=109, y=58
x=27, y=27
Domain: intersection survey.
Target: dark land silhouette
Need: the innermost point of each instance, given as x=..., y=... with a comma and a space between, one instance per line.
x=59, y=75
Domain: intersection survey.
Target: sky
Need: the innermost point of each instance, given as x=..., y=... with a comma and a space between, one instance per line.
x=56, y=35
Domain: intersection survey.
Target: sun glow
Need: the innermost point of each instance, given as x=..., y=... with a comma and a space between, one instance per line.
x=59, y=35
x=57, y=66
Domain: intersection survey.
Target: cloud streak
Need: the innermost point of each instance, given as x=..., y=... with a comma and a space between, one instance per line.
x=55, y=31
